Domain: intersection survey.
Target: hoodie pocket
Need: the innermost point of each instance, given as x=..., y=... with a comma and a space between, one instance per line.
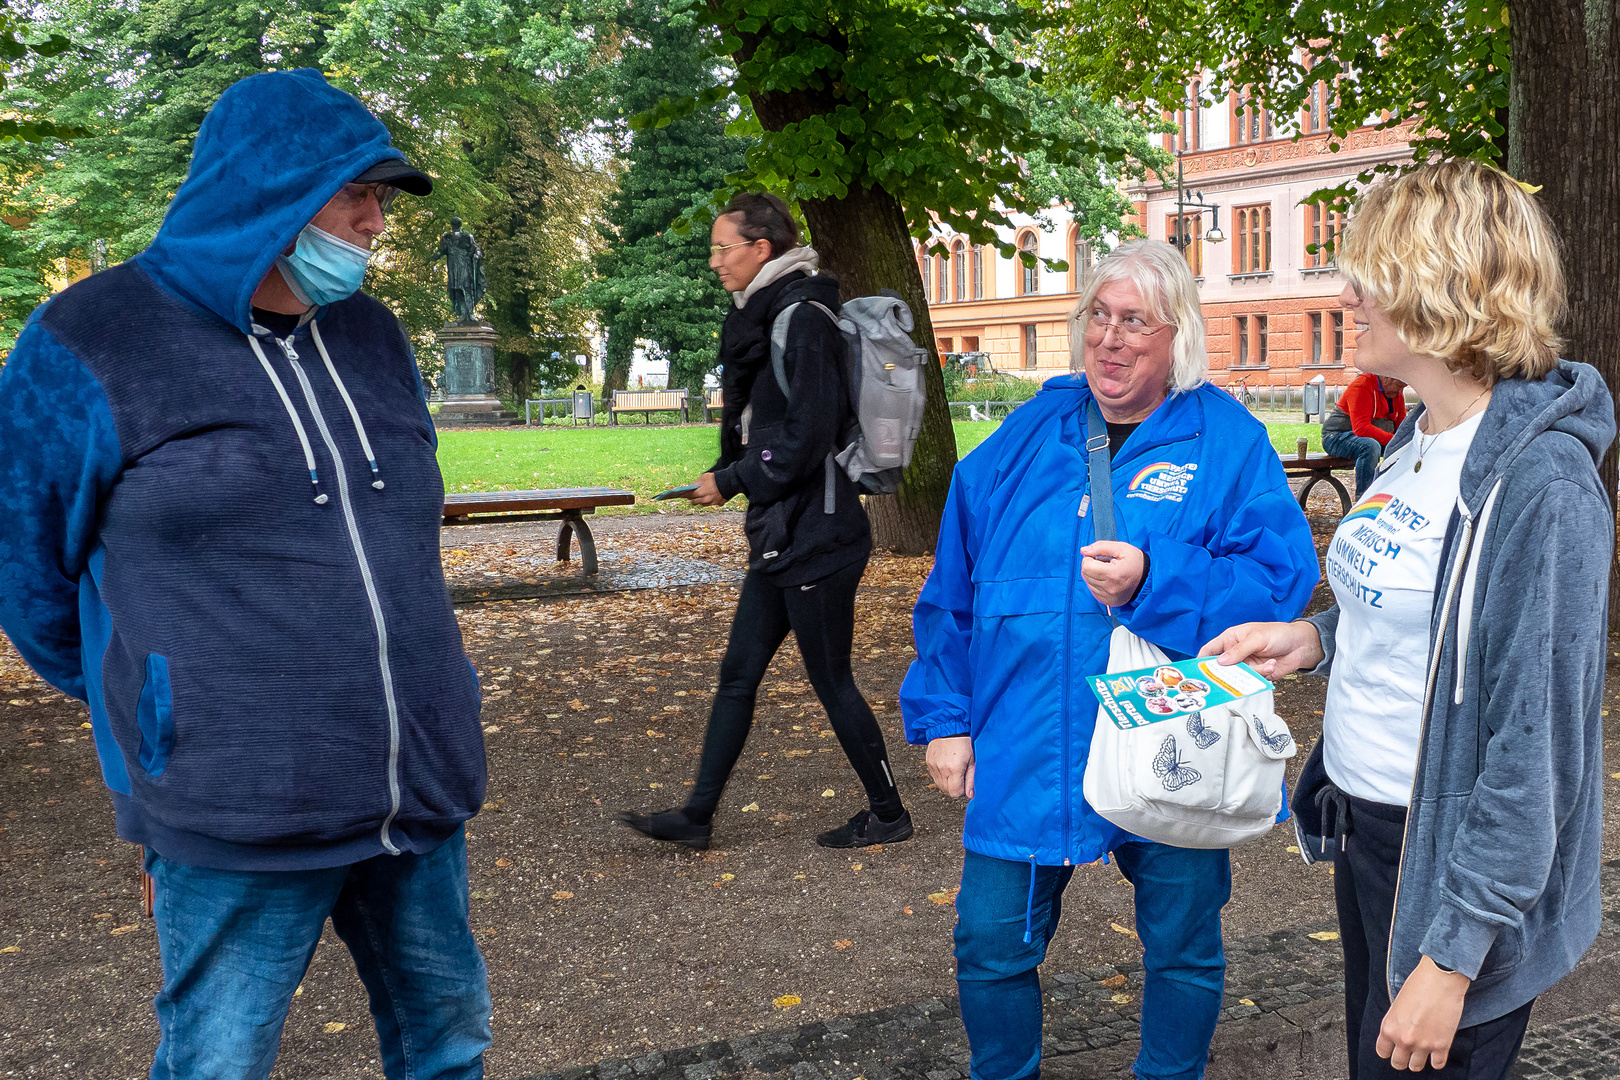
x=155, y=716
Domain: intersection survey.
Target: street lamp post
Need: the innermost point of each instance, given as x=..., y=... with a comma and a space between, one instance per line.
x=1180, y=236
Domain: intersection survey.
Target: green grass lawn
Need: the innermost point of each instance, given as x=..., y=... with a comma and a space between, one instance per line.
x=645, y=460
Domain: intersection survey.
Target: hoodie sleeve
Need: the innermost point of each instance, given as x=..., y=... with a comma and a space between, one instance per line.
x=62, y=458
x=938, y=688
x=815, y=411
x=1540, y=652
x=1360, y=404
x=1259, y=563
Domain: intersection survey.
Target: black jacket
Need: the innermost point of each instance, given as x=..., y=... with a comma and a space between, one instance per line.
x=783, y=468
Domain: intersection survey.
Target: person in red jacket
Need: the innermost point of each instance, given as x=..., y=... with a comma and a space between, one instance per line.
x=1363, y=422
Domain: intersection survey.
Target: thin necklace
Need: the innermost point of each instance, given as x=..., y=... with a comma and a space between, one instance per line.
x=1426, y=441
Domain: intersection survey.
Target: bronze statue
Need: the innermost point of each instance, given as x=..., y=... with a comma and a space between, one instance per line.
x=464, y=261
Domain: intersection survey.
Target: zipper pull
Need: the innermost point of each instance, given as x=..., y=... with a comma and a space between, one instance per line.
x=287, y=347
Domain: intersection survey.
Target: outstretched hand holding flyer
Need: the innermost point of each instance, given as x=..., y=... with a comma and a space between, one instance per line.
x=1134, y=699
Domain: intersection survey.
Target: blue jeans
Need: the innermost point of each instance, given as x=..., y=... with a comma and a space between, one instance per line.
x=1179, y=896
x=235, y=945
x=1365, y=452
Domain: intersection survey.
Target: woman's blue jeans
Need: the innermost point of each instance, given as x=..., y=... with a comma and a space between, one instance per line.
x=1179, y=896
x=235, y=945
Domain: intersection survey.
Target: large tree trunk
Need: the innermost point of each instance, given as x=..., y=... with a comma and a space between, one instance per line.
x=862, y=238
x=1564, y=98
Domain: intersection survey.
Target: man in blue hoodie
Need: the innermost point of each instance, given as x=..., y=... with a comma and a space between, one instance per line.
x=220, y=505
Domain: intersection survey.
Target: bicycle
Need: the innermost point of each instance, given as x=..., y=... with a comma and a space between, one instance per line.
x=1240, y=390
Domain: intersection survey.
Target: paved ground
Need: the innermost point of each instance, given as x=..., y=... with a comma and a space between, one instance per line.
x=767, y=955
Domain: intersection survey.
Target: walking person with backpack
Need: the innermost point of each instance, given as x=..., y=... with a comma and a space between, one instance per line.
x=783, y=421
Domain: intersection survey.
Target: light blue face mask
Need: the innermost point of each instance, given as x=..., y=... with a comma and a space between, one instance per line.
x=323, y=269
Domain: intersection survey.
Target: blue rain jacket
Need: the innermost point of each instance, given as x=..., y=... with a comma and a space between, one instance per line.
x=228, y=545
x=1007, y=630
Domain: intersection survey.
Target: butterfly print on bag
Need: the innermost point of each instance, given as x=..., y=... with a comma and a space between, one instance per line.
x=1278, y=742
x=1203, y=736
x=1168, y=767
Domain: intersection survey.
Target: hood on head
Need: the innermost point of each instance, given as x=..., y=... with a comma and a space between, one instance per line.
x=272, y=151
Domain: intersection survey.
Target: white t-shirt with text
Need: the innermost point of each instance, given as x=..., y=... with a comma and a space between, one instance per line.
x=1382, y=566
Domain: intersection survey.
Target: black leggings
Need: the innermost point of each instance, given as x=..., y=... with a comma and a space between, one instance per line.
x=822, y=618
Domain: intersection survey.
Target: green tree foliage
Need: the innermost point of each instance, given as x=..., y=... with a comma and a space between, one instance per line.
x=654, y=283
x=1443, y=63
x=17, y=47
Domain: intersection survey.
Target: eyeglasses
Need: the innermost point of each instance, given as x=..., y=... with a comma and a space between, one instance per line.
x=384, y=193
x=720, y=249
x=1132, y=329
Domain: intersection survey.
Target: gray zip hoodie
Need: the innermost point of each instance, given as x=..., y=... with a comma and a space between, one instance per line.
x=1499, y=868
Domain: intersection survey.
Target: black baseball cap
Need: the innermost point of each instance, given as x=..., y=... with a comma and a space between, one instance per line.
x=399, y=173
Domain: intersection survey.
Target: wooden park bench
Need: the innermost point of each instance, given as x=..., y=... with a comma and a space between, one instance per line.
x=647, y=402
x=1318, y=468
x=712, y=403
x=568, y=505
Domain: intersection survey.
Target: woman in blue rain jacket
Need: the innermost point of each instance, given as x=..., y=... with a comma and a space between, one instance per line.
x=1015, y=616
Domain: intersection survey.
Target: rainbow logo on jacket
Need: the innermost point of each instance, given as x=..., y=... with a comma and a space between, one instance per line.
x=1161, y=480
x=1371, y=507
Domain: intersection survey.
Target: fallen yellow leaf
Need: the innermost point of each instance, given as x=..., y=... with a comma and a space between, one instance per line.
x=908, y=911
x=750, y=808
x=562, y=894
x=787, y=1001
x=11, y=948
x=1121, y=999
x=333, y=1028
x=655, y=785
x=842, y=944
x=18, y=701
x=603, y=720
x=945, y=897
x=728, y=877
x=117, y=930
x=829, y=793
x=503, y=862
x=1246, y=1001
x=85, y=724
x=1127, y=931
x=1324, y=935
x=855, y=866
x=1293, y=850
x=1113, y=981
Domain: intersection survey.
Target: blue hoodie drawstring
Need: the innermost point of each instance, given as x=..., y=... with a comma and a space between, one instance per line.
x=354, y=414
x=1029, y=906
x=292, y=414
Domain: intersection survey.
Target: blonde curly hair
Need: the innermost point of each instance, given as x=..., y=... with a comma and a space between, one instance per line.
x=1466, y=265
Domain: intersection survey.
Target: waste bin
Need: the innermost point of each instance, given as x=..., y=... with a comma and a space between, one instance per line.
x=584, y=406
x=1316, y=398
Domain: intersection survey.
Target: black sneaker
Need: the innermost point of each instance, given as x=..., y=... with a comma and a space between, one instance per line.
x=672, y=826
x=864, y=830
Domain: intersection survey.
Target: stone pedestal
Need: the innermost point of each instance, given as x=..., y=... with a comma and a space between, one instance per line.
x=468, y=382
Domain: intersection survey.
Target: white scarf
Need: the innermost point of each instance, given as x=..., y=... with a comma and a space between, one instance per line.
x=799, y=258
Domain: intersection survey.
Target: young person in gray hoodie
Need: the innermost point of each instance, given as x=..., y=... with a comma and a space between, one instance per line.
x=1458, y=784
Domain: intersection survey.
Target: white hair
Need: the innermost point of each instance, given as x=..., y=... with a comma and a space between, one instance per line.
x=1161, y=275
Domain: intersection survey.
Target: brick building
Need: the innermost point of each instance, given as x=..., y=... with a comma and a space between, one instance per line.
x=1270, y=307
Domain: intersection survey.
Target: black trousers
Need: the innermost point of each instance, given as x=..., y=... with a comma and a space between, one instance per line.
x=1364, y=891
x=822, y=618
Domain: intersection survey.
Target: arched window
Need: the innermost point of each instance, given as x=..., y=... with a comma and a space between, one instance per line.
x=959, y=265
x=1080, y=258
x=978, y=273
x=1029, y=275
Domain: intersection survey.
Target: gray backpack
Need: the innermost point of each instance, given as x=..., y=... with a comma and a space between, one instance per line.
x=884, y=374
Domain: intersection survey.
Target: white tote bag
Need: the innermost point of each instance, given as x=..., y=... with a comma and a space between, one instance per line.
x=1209, y=779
